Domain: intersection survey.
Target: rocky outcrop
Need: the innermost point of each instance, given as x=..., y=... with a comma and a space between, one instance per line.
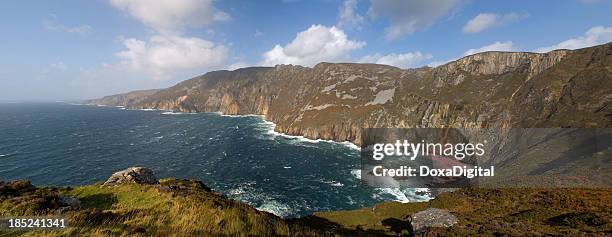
x=432, y=217
x=138, y=175
x=492, y=63
x=15, y=187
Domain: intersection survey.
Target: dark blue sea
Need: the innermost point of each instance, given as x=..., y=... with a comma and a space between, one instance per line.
x=64, y=144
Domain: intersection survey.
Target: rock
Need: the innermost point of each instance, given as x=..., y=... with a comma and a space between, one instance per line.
x=432, y=217
x=138, y=175
x=67, y=203
x=15, y=188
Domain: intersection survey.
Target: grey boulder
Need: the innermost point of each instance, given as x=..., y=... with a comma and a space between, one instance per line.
x=138, y=175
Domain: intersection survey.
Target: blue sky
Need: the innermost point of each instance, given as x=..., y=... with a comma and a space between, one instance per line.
x=64, y=50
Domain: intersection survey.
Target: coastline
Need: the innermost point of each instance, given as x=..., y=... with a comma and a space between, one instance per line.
x=262, y=117
x=400, y=195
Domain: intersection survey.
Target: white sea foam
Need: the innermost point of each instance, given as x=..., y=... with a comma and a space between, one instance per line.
x=270, y=131
x=275, y=208
x=270, y=126
x=405, y=195
x=396, y=192
x=333, y=183
x=237, y=191
x=240, y=115
x=175, y=113
x=356, y=173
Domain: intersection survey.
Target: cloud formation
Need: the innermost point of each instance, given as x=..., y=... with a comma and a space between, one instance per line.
x=405, y=60
x=172, y=15
x=497, y=46
x=162, y=55
x=316, y=44
x=51, y=24
x=169, y=52
x=594, y=36
x=348, y=17
x=408, y=16
x=485, y=21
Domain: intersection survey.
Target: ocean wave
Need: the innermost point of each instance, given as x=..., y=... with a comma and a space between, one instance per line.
x=395, y=192
x=333, y=183
x=270, y=126
x=261, y=200
x=175, y=113
x=237, y=191
x=356, y=173
x=275, y=208
x=406, y=195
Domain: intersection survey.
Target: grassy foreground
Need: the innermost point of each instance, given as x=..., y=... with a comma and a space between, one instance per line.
x=187, y=208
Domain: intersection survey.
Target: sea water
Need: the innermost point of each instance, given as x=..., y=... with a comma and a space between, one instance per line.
x=239, y=156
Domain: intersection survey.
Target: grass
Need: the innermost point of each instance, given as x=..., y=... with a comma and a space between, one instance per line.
x=188, y=208
x=494, y=212
x=174, y=207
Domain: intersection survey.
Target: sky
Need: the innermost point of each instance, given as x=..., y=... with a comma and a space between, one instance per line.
x=72, y=49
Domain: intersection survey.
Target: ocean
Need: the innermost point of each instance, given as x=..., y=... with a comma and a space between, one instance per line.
x=240, y=156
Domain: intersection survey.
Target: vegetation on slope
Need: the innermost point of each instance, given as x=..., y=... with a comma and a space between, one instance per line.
x=187, y=207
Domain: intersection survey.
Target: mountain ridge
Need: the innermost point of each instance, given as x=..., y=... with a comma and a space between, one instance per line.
x=334, y=101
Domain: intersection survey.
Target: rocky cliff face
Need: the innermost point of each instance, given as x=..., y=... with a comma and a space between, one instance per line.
x=563, y=88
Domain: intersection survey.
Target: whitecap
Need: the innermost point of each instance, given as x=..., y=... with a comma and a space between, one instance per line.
x=356, y=173
x=275, y=208
x=237, y=191
x=334, y=183
x=395, y=192
x=174, y=113
x=405, y=195
x=271, y=126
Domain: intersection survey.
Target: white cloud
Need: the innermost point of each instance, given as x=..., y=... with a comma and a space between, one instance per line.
x=485, y=21
x=438, y=63
x=594, y=36
x=405, y=60
x=349, y=18
x=497, y=46
x=316, y=44
x=161, y=55
x=51, y=24
x=408, y=16
x=172, y=15
x=237, y=65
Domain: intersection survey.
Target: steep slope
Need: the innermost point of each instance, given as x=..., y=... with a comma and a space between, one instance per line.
x=125, y=99
x=563, y=88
